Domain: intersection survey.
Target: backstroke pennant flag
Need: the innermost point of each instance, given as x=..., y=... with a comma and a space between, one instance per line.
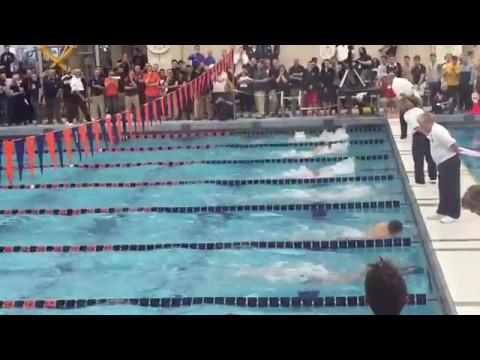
x=8, y=150
x=67, y=139
x=90, y=137
x=175, y=103
x=155, y=110
x=1, y=151
x=20, y=152
x=76, y=140
x=138, y=118
x=104, y=132
x=82, y=130
x=58, y=140
x=129, y=122
x=146, y=109
x=151, y=112
x=124, y=125
x=30, y=142
x=96, y=131
x=108, y=125
x=50, y=139
x=162, y=107
x=40, y=140
x=119, y=126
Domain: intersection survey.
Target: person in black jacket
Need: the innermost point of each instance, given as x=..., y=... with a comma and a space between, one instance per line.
x=51, y=96
x=260, y=83
x=311, y=86
x=327, y=76
x=283, y=87
x=296, y=84
x=17, y=105
x=71, y=106
x=6, y=61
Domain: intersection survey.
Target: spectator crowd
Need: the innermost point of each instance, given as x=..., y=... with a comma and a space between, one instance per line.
x=258, y=85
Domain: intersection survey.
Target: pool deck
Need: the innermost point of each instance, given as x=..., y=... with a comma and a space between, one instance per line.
x=456, y=246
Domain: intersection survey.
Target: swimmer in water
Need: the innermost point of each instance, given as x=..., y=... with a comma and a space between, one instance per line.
x=384, y=230
x=312, y=273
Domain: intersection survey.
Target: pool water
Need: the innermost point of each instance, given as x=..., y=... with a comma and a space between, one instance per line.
x=470, y=138
x=184, y=272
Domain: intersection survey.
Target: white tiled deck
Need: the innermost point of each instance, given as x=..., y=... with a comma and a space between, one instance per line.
x=457, y=245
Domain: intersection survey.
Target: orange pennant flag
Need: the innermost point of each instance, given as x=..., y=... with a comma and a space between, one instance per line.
x=108, y=126
x=8, y=150
x=82, y=130
x=67, y=139
x=50, y=139
x=129, y=122
x=119, y=127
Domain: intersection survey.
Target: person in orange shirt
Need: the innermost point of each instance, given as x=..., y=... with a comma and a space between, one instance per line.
x=152, y=84
x=111, y=93
x=451, y=77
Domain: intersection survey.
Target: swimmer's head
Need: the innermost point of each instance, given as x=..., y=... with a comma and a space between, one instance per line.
x=395, y=227
x=385, y=288
x=471, y=199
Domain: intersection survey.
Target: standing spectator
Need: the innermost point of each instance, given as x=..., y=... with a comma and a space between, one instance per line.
x=139, y=59
x=35, y=97
x=125, y=65
x=445, y=153
x=97, y=91
x=121, y=88
x=222, y=96
x=155, y=68
x=296, y=84
x=388, y=100
x=382, y=67
x=111, y=93
x=365, y=64
x=131, y=92
x=79, y=94
x=209, y=60
x=28, y=87
x=70, y=106
x=451, y=76
x=434, y=74
x=51, y=95
x=327, y=77
x=197, y=57
x=3, y=99
x=175, y=68
x=394, y=67
x=240, y=58
x=419, y=72
x=152, y=84
x=200, y=106
x=316, y=69
x=140, y=84
x=272, y=72
x=6, y=61
x=260, y=78
x=170, y=85
x=467, y=79
x=162, y=74
x=407, y=68
x=18, y=110
x=252, y=66
x=311, y=86
x=282, y=86
x=188, y=72
x=245, y=92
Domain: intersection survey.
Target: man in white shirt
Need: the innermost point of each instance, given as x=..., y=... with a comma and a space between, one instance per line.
x=411, y=106
x=445, y=153
x=78, y=92
x=434, y=74
x=240, y=58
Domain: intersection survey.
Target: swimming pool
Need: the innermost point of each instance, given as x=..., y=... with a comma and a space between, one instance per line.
x=469, y=137
x=177, y=230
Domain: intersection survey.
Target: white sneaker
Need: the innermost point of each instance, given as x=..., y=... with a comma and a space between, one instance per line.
x=435, y=217
x=447, y=220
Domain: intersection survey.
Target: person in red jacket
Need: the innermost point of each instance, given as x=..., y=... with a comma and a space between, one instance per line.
x=152, y=84
x=388, y=100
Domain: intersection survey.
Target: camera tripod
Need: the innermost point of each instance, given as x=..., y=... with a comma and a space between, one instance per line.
x=355, y=72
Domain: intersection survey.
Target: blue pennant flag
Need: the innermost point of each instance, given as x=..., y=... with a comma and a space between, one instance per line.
x=76, y=140
x=59, y=142
x=104, y=132
x=40, y=141
x=142, y=112
x=159, y=110
x=1, y=151
x=90, y=137
x=134, y=120
x=124, y=124
x=150, y=112
x=20, y=152
x=114, y=130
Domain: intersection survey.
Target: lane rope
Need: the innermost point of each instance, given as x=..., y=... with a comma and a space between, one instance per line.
x=239, y=245
x=239, y=146
x=388, y=204
x=240, y=301
x=277, y=181
x=223, y=162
